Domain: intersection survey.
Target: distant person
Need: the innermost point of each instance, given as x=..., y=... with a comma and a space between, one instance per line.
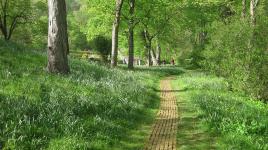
x=172, y=61
x=139, y=62
x=164, y=62
x=125, y=61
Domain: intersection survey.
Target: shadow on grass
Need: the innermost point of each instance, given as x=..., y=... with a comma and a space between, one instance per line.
x=161, y=71
x=137, y=137
x=172, y=91
x=192, y=132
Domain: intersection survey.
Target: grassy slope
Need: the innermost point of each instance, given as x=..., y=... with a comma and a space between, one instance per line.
x=213, y=117
x=92, y=108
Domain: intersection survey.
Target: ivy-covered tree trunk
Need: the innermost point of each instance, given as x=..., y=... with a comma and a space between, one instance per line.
x=253, y=4
x=131, y=35
x=58, y=47
x=148, y=46
x=119, y=4
x=244, y=9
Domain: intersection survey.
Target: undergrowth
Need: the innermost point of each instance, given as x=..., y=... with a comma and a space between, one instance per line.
x=239, y=121
x=92, y=108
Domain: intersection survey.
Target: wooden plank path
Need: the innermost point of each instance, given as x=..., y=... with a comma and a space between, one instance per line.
x=163, y=135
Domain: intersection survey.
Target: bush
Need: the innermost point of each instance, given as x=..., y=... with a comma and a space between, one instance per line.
x=235, y=54
x=103, y=45
x=77, y=39
x=239, y=121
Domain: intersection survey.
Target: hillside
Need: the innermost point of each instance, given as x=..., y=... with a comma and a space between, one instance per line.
x=93, y=107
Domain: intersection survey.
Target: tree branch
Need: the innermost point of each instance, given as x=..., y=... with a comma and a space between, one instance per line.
x=13, y=26
x=125, y=17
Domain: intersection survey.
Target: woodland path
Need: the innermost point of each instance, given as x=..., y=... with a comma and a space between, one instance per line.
x=163, y=134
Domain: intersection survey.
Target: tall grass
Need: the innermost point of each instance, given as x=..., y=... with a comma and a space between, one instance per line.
x=240, y=122
x=91, y=108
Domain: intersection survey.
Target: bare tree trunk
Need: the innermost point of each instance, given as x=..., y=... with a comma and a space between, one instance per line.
x=58, y=46
x=252, y=11
x=119, y=4
x=244, y=8
x=131, y=35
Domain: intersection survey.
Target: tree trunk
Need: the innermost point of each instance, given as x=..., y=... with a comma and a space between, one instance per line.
x=244, y=9
x=10, y=20
x=149, y=55
x=4, y=24
x=158, y=57
x=3, y=18
x=252, y=12
x=131, y=35
x=148, y=45
x=3, y=27
x=58, y=46
x=131, y=48
x=4, y=32
x=153, y=56
x=149, y=50
x=119, y=4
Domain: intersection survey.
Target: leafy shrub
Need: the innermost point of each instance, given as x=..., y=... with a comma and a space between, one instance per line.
x=243, y=120
x=77, y=39
x=103, y=45
x=240, y=121
x=235, y=54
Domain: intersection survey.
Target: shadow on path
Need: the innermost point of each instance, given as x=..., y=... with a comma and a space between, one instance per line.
x=172, y=91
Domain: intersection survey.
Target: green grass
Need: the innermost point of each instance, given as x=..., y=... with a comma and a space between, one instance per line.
x=193, y=132
x=99, y=108
x=215, y=118
x=92, y=108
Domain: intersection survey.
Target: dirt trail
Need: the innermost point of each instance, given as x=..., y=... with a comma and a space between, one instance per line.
x=163, y=135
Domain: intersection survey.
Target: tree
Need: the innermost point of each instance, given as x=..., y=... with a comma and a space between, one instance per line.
x=253, y=6
x=58, y=47
x=131, y=26
x=12, y=14
x=77, y=39
x=158, y=55
x=148, y=46
x=156, y=20
x=244, y=8
x=119, y=4
x=100, y=17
